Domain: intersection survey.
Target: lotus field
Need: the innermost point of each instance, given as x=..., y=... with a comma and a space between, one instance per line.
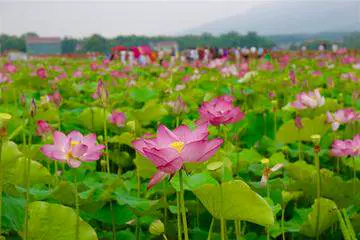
x=264, y=149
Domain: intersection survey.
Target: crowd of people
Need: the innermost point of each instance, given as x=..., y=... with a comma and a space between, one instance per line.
x=144, y=55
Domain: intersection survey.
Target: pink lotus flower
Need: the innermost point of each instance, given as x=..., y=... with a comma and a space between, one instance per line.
x=272, y=95
x=220, y=111
x=77, y=74
x=73, y=148
x=10, y=68
x=186, y=78
x=41, y=73
x=43, y=128
x=355, y=146
x=341, y=148
x=94, y=66
x=56, y=98
x=229, y=71
x=292, y=77
x=341, y=116
x=216, y=63
x=117, y=118
x=4, y=78
x=171, y=149
x=308, y=100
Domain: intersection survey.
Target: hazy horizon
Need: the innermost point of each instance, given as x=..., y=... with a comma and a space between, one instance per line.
x=112, y=18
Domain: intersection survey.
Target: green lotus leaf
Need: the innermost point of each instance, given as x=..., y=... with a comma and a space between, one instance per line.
x=235, y=200
x=56, y=222
x=328, y=217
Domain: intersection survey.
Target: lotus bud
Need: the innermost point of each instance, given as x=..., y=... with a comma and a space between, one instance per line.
x=156, y=228
x=23, y=100
x=4, y=120
x=298, y=122
x=33, y=108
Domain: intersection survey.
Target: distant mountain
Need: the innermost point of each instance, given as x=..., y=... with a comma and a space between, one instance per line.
x=289, y=18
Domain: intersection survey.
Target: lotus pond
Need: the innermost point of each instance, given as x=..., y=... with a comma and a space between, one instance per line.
x=262, y=150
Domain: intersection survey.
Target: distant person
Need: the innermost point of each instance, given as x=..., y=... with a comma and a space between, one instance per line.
x=335, y=47
x=260, y=52
x=123, y=57
x=253, y=50
x=303, y=48
x=131, y=57
x=173, y=54
x=245, y=53
x=237, y=55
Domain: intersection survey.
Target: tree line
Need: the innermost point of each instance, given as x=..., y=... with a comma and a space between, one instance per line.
x=98, y=43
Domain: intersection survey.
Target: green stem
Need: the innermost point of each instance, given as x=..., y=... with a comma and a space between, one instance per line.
x=166, y=205
x=108, y=172
x=343, y=227
x=1, y=184
x=318, y=193
x=268, y=196
x=164, y=236
x=222, y=222
x=106, y=143
x=237, y=229
x=275, y=123
x=211, y=228
x=138, y=186
x=182, y=205
x=349, y=225
x=77, y=226
x=27, y=182
x=354, y=175
x=178, y=215
x=283, y=222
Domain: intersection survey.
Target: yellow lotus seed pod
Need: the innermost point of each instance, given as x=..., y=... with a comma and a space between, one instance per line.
x=156, y=228
x=4, y=119
x=131, y=125
x=316, y=138
x=265, y=161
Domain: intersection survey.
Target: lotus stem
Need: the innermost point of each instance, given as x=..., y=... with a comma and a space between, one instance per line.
x=222, y=222
x=318, y=194
x=349, y=225
x=354, y=175
x=165, y=203
x=283, y=223
x=344, y=229
x=211, y=228
x=1, y=183
x=27, y=181
x=178, y=215
x=182, y=205
x=108, y=171
x=77, y=226
x=237, y=229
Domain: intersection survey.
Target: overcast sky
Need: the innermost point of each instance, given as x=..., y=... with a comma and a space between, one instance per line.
x=111, y=18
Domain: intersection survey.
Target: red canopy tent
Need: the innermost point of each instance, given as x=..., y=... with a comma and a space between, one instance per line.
x=118, y=48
